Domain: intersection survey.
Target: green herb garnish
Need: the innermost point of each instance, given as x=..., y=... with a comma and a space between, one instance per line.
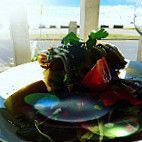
x=94, y=36
x=72, y=39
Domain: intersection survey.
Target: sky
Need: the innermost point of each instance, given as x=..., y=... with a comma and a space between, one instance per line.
x=118, y=2
x=76, y=3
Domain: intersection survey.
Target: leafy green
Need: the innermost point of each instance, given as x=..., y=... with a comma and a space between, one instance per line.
x=72, y=39
x=90, y=42
x=97, y=107
x=99, y=34
x=72, y=36
x=100, y=124
x=94, y=36
x=87, y=136
x=66, y=79
x=43, y=134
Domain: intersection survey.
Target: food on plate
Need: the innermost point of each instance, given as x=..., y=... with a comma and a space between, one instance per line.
x=77, y=70
x=15, y=103
x=86, y=66
x=66, y=65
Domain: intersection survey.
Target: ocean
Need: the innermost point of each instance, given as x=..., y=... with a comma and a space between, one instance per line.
x=109, y=15
x=59, y=15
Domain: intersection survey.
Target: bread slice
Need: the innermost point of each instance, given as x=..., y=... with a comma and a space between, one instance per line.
x=15, y=103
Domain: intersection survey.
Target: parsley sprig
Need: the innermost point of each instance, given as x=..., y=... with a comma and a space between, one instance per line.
x=74, y=40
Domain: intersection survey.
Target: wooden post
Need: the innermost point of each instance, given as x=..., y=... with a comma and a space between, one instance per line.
x=20, y=35
x=139, y=54
x=89, y=17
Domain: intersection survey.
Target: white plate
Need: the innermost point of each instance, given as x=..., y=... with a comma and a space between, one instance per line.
x=7, y=131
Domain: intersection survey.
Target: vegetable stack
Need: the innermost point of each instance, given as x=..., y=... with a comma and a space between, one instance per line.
x=67, y=66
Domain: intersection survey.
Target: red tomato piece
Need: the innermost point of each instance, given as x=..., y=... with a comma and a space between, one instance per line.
x=99, y=77
x=112, y=95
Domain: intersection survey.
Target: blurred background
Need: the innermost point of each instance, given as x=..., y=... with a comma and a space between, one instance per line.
x=46, y=13
x=48, y=22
